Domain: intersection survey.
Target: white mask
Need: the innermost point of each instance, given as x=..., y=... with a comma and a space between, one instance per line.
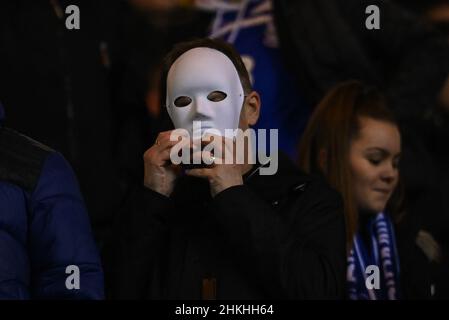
x=203, y=85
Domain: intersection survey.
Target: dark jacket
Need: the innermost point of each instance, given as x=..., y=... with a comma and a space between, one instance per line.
x=417, y=272
x=279, y=237
x=44, y=227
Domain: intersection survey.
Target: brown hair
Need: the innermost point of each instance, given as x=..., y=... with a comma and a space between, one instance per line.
x=332, y=126
x=216, y=44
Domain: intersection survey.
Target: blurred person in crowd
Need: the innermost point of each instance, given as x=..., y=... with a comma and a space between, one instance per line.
x=224, y=231
x=249, y=26
x=353, y=141
x=326, y=42
x=433, y=11
x=54, y=85
x=304, y=47
x=45, y=235
x=427, y=139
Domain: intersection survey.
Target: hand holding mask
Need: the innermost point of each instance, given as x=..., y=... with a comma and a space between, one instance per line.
x=203, y=86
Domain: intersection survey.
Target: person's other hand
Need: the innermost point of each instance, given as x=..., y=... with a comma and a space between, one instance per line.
x=160, y=173
x=221, y=175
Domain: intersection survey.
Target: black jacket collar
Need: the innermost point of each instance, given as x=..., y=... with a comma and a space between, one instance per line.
x=287, y=179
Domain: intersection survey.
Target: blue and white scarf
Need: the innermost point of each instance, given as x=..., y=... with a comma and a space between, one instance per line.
x=383, y=254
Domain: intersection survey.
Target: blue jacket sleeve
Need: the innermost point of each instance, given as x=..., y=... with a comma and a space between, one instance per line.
x=61, y=241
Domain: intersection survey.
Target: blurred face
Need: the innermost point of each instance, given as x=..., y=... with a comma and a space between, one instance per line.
x=374, y=158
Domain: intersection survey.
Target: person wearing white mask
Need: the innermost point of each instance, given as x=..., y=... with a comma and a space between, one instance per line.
x=223, y=230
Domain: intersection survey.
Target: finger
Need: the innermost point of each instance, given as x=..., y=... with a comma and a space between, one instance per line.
x=222, y=148
x=168, y=136
x=212, y=143
x=163, y=157
x=160, y=154
x=161, y=137
x=156, y=157
x=210, y=137
x=206, y=157
x=211, y=159
x=180, y=152
x=167, y=143
x=204, y=173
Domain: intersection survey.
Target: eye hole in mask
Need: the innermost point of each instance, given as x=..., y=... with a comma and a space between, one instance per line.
x=217, y=96
x=182, y=101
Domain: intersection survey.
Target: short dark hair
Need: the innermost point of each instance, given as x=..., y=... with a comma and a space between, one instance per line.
x=219, y=45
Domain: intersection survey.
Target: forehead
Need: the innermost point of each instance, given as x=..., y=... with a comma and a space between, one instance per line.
x=201, y=65
x=378, y=134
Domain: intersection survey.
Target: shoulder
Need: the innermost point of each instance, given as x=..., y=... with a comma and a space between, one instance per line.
x=290, y=190
x=21, y=159
x=290, y=180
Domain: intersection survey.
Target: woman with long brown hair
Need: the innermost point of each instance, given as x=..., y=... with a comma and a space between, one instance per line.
x=353, y=141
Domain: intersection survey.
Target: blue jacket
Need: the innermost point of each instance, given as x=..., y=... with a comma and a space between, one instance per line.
x=44, y=227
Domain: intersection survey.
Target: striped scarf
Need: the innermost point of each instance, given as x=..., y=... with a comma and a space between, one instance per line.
x=382, y=256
